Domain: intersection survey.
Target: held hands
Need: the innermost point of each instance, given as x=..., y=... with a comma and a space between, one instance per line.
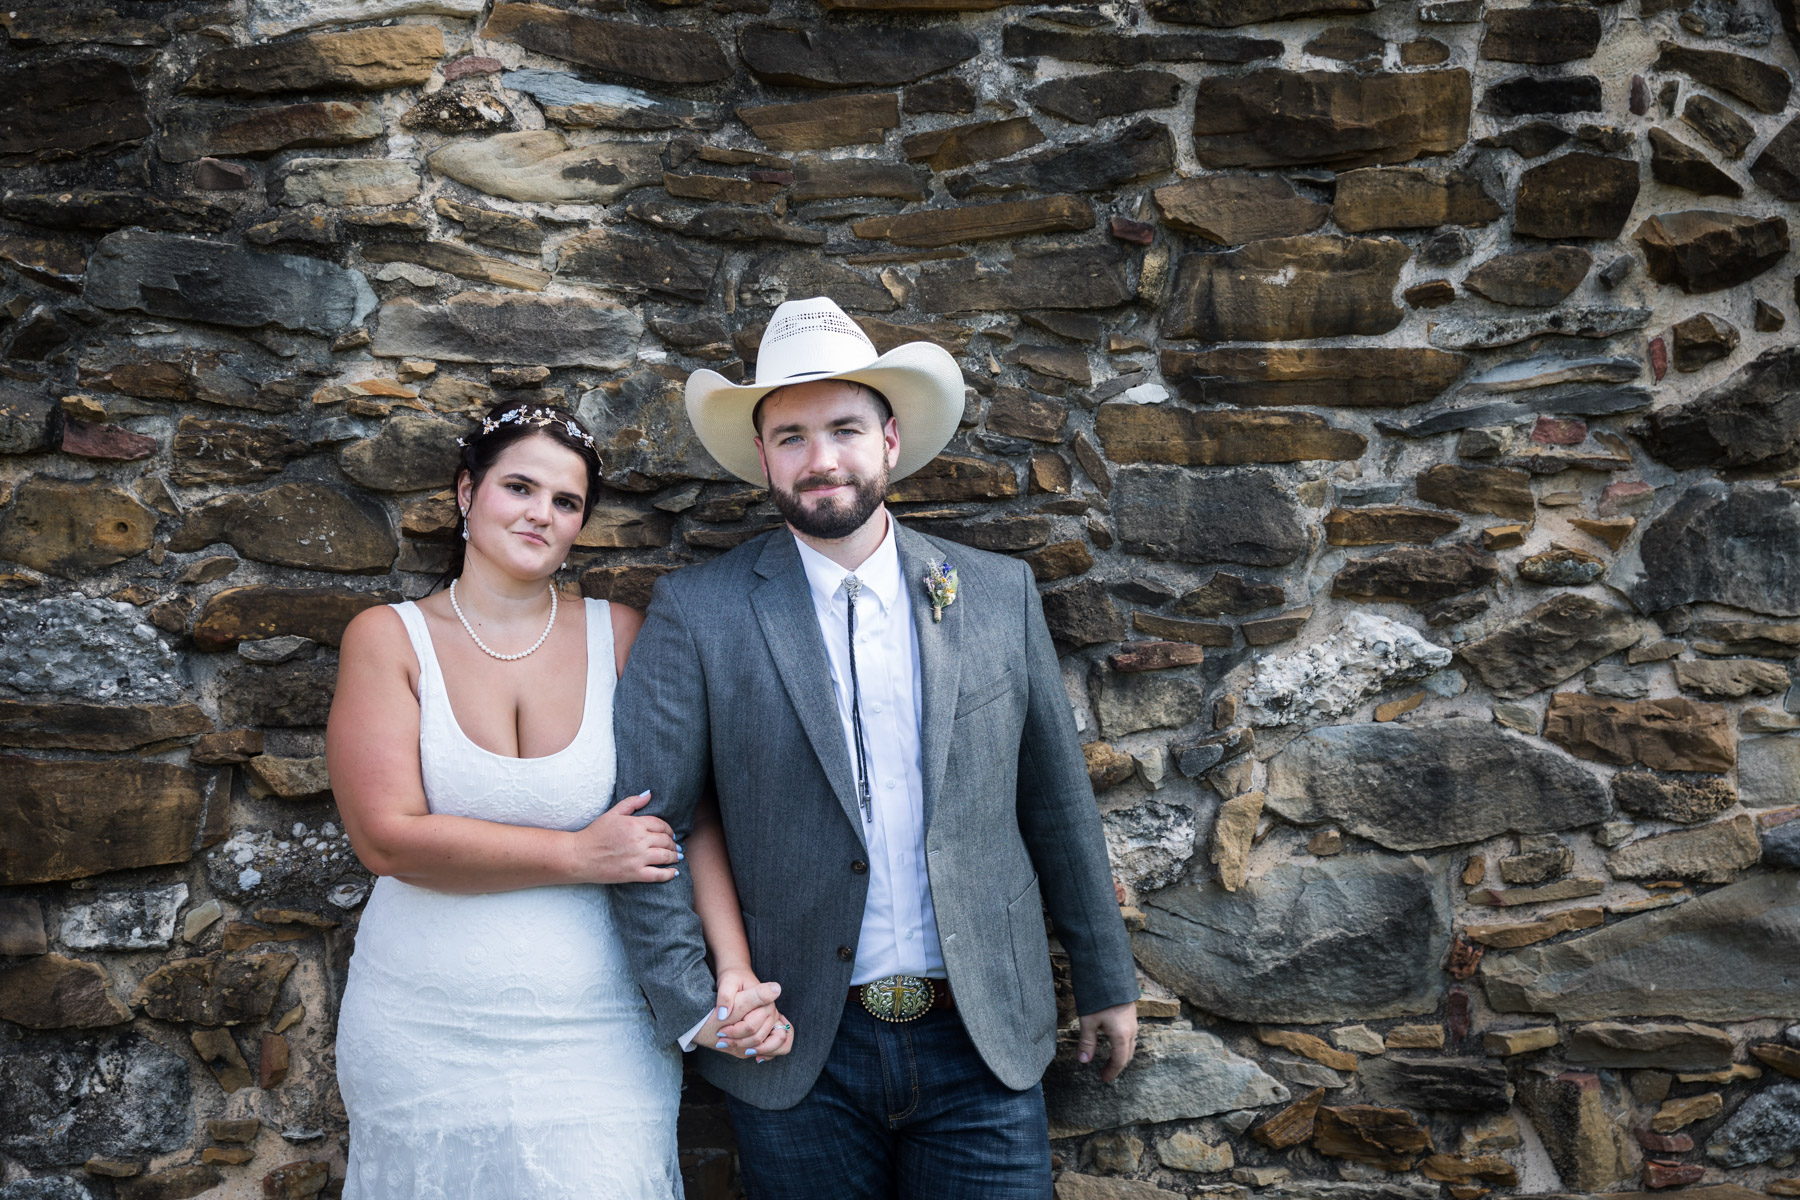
x=752, y=1027
x=1119, y=1024
x=620, y=847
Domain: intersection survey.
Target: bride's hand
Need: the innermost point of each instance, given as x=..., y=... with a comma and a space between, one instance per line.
x=752, y=1026
x=620, y=847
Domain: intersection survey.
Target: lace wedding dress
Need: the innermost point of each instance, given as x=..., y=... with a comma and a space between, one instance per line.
x=496, y=1047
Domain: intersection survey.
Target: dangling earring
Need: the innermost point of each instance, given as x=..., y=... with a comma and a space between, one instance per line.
x=465, y=524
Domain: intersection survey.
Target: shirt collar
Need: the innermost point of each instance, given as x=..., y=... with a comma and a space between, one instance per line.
x=880, y=572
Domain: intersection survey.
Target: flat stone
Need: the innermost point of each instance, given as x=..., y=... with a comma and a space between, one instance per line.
x=1574, y=1116
x=1082, y=614
x=612, y=49
x=120, y=1097
x=1530, y=277
x=1381, y=524
x=1587, y=321
x=1409, y=198
x=456, y=259
x=1528, y=95
x=1419, y=786
x=1731, y=679
x=1226, y=14
x=1665, y=962
x=974, y=222
x=109, y=442
x=58, y=112
x=259, y=612
x=370, y=60
x=1388, y=1138
x=1542, y=371
x=1670, y=1047
x=1504, y=1043
x=492, y=327
x=206, y=452
x=135, y=920
x=1686, y=799
x=293, y=695
x=218, y=989
x=1228, y=593
x=1501, y=491
x=1137, y=433
x=1085, y=99
x=69, y=819
x=1233, y=516
x=1707, y=251
x=1562, y=566
x=53, y=992
x=1235, y=209
x=1719, y=124
x=194, y=279
x=1072, y=1185
x=577, y=104
x=1777, y=168
x=539, y=166
x=1186, y=1074
x=1282, y=288
x=1272, y=117
x=1578, y=195
x=1476, y=1085
x=1715, y=853
x=1765, y=1128
x=1304, y=943
x=272, y=18
x=1737, y=545
x=1131, y=702
x=1358, y=47
x=622, y=261
x=818, y=124
x=1555, y=35
x=1674, y=162
x=192, y=131
x=1783, y=1058
x=832, y=179
x=1750, y=420
x=1141, y=149
x=1552, y=642
x=69, y=529
x=1763, y=86
x=1131, y=50
x=1350, y=376
x=852, y=55
x=1066, y=279
x=22, y=927
x=1416, y=574
x=410, y=453
x=1186, y=1151
x=964, y=145
x=1769, y=772
x=1229, y=849
x=1668, y=735
x=87, y=649
x=303, y=525
x=176, y=1183
x=1199, y=633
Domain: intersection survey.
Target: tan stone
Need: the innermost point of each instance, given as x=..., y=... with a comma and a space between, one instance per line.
x=1107, y=767
x=1389, y=1138
x=966, y=145
x=305, y=525
x=1731, y=679
x=176, y=1183
x=1393, y=710
x=97, y=726
x=69, y=529
x=956, y=477
x=1668, y=735
x=1416, y=1037
x=974, y=222
x=1016, y=412
x=1678, y=1114
x=1305, y=1044
x=1234, y=209
x=1714, y=853
x=1785, y=1059
x=372, y=59
x=1272, y=117
x=635, y=50
x=1562, y=889
x=1502, y=1043
x=455, y=259
x=288, y=778
x=720, y=189
x=1279, y=628
x=1187, y=1151
x=1448, y=1168
x=219, y=989
x=225, y=749
x=1292, y=1125
x=538, y=166
x=1232, y=832
x=1200, y=633
x=1613, y=532
x=1156, y=656
x=1071, y=1186
x=1134, y=433
x=1351, y=376
x=257, y=612
x=1510, y=935
x=1380, y=524
x=1579, y=1120
x=219, y=1051
x=53, y=992
x=1501, y=491
x=73, y=818
x=819, y=124
x=1409, y=198
x=1288, y=288
x=192, y=131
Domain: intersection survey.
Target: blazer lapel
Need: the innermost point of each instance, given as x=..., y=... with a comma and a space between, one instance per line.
x=784, y=609
x=940, y=666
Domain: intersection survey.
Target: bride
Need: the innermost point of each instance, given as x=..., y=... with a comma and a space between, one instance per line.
x=492, y=1044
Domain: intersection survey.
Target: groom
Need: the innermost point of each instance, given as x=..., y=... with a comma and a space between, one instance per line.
x=901, y=790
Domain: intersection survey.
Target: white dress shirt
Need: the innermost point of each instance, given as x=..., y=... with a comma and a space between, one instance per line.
x=899, y=927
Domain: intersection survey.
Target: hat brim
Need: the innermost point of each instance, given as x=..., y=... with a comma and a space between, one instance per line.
x=920, y=380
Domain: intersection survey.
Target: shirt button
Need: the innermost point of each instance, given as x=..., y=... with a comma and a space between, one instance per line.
x=909, y=934
x=846, y=953
x=859, y=866
x=891, y=785
x=876, y=708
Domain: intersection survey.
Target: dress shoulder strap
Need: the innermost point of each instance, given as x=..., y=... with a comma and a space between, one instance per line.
x=603, y=672
x=413, y=617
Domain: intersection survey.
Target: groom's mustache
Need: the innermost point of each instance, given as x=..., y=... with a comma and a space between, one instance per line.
x=816, y=482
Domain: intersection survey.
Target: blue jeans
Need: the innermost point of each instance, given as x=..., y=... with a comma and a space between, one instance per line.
x=901, y=1111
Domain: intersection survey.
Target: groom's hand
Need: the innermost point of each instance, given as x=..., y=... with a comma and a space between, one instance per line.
x=1119, y=1024
x=745, y=1022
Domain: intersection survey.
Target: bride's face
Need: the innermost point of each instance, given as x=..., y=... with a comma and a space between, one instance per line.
x=526, y=512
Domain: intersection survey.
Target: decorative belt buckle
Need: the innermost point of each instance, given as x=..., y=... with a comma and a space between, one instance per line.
x=898, y=997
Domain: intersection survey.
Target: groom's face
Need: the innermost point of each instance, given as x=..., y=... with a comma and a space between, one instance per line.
x=827, y=452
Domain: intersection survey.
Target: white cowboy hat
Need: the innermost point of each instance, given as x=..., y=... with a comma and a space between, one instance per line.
x=810, y=340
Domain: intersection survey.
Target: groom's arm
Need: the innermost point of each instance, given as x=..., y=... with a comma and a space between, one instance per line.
x=1061, y=826
x=661, y=730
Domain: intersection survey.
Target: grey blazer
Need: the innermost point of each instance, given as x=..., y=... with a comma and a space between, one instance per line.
x=728, y=687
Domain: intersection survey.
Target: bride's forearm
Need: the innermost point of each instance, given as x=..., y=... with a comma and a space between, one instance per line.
x=463, y=854
x=715, y=892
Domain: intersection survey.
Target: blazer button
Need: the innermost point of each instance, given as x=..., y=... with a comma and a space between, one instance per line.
x=846, y=953
x=859, y=866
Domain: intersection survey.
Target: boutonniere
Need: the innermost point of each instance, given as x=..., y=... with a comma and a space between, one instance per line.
x=940, y=587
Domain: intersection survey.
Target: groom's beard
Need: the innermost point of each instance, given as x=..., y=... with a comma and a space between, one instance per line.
x=834, y=518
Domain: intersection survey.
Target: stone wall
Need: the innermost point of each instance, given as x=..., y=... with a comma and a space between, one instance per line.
x=1394, y=402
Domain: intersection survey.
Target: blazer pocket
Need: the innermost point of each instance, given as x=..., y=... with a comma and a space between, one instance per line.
x=1031, y=963
x=968, y=702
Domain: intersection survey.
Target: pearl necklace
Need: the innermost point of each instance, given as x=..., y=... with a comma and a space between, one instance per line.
x=457, y=608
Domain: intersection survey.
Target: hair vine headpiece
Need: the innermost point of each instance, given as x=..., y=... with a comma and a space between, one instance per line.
x=540, y=416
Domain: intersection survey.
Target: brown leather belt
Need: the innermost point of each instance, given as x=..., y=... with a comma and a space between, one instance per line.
x=903, y=997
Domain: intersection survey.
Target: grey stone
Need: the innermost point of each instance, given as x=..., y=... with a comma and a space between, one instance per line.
x=1728, y=544
x=141, y=920
x=1361, y=1189
x=252, y=863
x=1732, y=954
x=1622, y=683
x=571, y=100
x=1476, y=1085
x=629, y=262
x=193, y=279
x=86, y=649
x=340, y=181
x=1349, y=938
x=1547, y=370
x=1422, y=785
x=292, y=695
x=1175, y=1075
x=1566, y=402
x=1082, y=614
x=46, y=1187
x=1765, y=1128
x=1551, y=643
x=1670, y=1047
x=1715, y=853
x=1236, y=516
x=1686, y=799
x=1363, y=656
x=24, y=421
x=1129, y=703
x=1769, y=772
x=1142, y=149
x=272, y=18
x=412, y=452
x=495, y=327
x=274, y=651
x=1304, y=1073
x=65, y=1101
x=1751, y=421
x=1587, y=321
x=1148, y=843
x=303, y=525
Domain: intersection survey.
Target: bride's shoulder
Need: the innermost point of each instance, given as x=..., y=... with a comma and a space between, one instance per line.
x=378, y=629
x=626, y=621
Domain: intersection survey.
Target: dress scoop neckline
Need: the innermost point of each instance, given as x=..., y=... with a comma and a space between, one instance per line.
x=587, y=690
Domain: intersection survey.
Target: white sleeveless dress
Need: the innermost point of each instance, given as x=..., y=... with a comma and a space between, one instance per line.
x=496, y=1047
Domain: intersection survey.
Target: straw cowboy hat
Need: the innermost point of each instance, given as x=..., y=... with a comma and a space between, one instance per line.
x=810, y=340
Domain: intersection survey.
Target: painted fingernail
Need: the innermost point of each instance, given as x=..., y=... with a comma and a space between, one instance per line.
x=723, y=1012
x=721, y=1044
x=1084, y=1058
x=749, y=1053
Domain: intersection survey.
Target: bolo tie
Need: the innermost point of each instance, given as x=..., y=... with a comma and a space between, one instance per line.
x=852, y=586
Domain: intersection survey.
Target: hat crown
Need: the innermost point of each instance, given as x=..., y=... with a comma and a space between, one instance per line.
x=810, y=339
